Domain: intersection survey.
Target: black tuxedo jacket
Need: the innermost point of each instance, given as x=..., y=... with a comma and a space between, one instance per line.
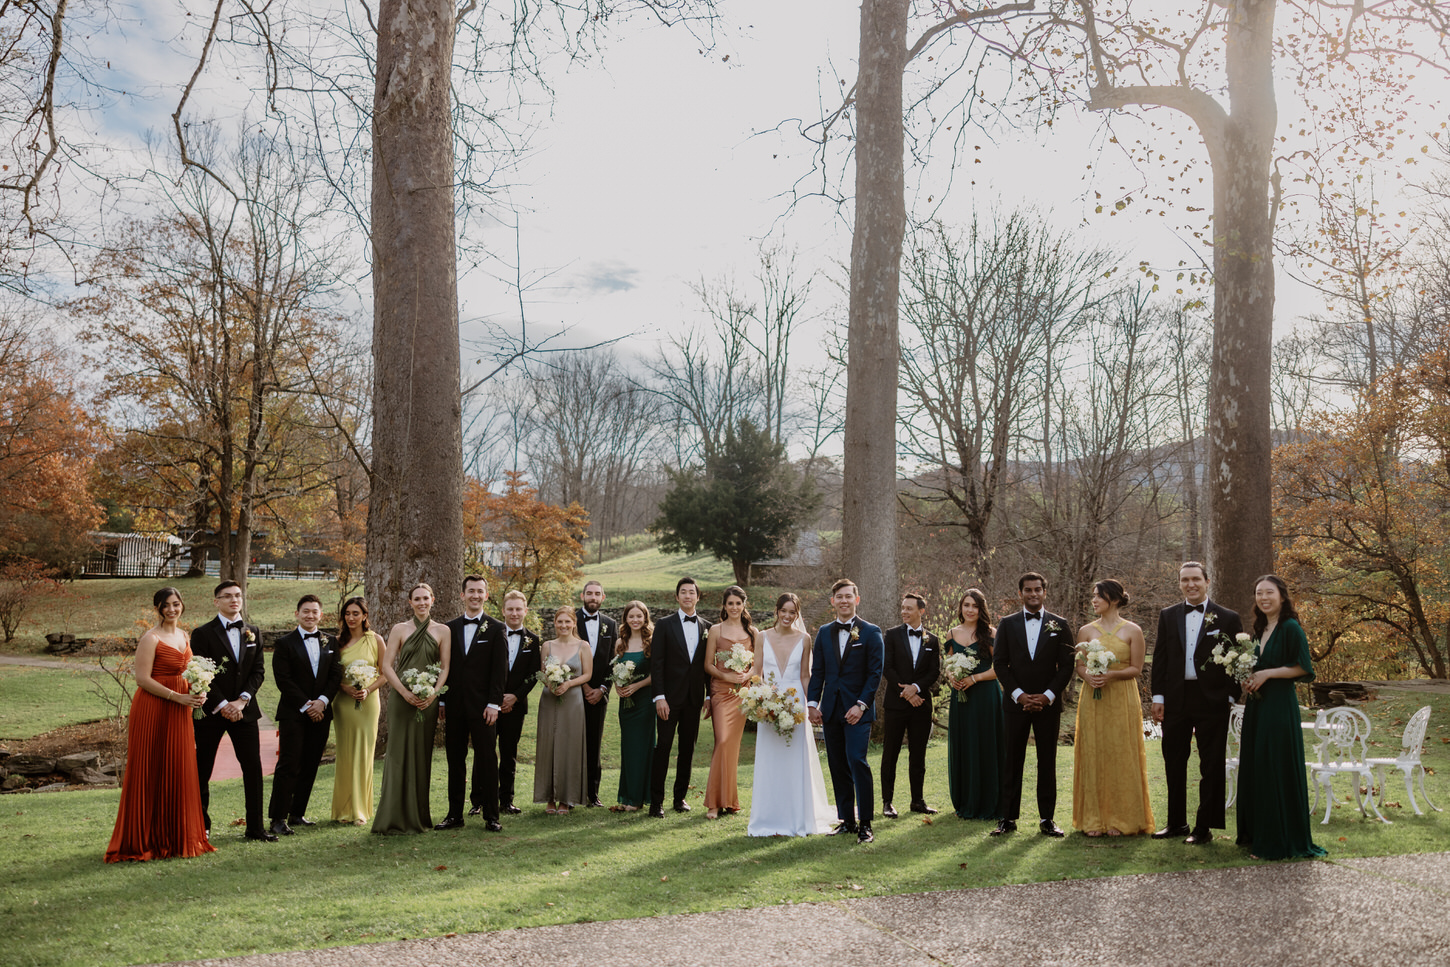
x=476, y=680
x=899, y=670
x=603, y=648
x=839, y=681
x=1166, y=679
x=1050, y=671
x=292, y=670
x=233, y=677
x=673, y=674
x=523, y=676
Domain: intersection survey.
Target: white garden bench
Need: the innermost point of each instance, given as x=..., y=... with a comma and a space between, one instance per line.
x=1408, y=760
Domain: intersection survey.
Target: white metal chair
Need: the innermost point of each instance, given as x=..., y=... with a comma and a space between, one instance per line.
x=1408, y=760
x=1231, y=762
x=1342, y=737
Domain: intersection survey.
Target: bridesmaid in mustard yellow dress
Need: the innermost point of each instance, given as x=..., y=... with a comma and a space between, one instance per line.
x=721, y=792
x=1110, y=765
x=355, y=719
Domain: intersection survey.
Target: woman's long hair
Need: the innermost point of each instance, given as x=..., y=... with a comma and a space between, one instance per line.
x=984, y=630
x=345, y=635
x=1286, y=610
x=158, y=600
x=646, y=631
x=737, y=591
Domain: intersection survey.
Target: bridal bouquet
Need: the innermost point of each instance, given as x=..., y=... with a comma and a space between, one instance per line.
x=1238, y=658
x=766, y=703
x=555, y=673
x=359, y=674
x=423, y=682
x=198, y=674
x=622, y=673
x=959, y=665
x=741, y=658
x=1097, y=657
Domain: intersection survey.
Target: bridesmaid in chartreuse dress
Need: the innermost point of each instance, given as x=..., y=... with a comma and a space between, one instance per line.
x=355, y=713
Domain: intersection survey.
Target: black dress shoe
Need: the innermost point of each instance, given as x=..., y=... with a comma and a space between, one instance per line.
x=493, y=826
x=656, y=812
x=921, y=807
x=889, y=811
x=863, y=834
x=279, y=828
x=1199, y=837
x=476, y=811
x=594, y=802
x=1172, y=832
x=262, y=837
x=1004, y=826
x=844, y=828
x=449, y=822
x=299, y=821
x=681, y=806
x=1048, y=828
x=509, y=808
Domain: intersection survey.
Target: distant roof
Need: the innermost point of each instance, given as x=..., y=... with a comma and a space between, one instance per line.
x=144, y=535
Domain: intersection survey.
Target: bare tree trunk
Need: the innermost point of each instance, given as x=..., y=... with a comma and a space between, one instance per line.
x=415, y=524
x=869, y=486
x=1240, y=538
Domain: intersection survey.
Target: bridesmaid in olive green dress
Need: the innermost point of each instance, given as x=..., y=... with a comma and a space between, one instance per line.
x=408, y=763
x=1273, y=802
x=355, y=722
x=636, y=715
x=974, y=719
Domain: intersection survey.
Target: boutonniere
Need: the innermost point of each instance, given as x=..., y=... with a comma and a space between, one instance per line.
x=248, y=637
x=1210, y=618
x=855, y=633
x=1054, y=627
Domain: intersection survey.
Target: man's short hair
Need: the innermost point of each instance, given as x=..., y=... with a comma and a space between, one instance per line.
x=681, y=583
x=1196, y=564
x=515, y=595
x=475, y=579
x=914, y=596
x=1031, y=576
x=592, y=583
x=308, y=599
x=844, y=583
x=223, y=586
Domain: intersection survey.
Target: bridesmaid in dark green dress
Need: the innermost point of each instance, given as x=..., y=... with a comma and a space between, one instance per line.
x=974, y=722
x=1273, y=798
x=408, y=764
x=636, y=714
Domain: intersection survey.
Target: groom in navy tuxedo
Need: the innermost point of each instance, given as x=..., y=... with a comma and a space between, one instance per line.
x=845, y=672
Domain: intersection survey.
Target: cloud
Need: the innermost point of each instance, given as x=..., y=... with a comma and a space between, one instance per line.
x=606, y=277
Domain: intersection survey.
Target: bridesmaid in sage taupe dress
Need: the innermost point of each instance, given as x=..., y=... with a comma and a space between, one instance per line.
x=561, y=774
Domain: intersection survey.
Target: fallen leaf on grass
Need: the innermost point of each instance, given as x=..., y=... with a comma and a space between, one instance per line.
x=926, y=820
x=565, y=873
x=664, y=879
x=440, y=869
x=1344, y=839
x=449, y=935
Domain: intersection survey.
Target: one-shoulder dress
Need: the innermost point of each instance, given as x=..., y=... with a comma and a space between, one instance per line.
x=408, y=764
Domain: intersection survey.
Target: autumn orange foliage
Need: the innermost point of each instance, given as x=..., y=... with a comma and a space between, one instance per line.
x=523, y=542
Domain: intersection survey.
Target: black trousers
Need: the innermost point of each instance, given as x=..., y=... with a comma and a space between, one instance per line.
x=460, y=726
x=913, y=725
x=509, y=727
x=684, y=722
x=594, y=716
x=1196, y=717
x=1043, y=727
x=247, y=746
x=300, y=744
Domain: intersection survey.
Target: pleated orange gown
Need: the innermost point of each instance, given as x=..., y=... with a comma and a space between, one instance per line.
x=160, y=814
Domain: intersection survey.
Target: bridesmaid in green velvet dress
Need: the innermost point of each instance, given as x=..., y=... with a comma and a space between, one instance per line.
x=974, y=722
x=408, y=764
x=1273, y=803
x=636, y=715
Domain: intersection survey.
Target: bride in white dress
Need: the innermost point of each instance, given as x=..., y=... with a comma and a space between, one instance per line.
x=789, y=798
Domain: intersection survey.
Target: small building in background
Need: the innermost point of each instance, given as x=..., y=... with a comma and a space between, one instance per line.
x=135, y=555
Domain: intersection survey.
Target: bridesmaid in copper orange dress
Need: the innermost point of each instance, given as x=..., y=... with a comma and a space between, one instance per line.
x=721, y=794
x=160, y=814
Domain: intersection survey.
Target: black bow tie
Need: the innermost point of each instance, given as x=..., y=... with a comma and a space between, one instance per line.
x=236, y=625
x=914, y=634
x=686, y=617
x=595, y=617
x=472, y=621
x=516, y=634
x=1034, y=615
x=314, y=636
x=1195, y=607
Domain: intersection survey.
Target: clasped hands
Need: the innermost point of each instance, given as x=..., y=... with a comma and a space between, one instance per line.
x=914, y=698
x=1033, y=703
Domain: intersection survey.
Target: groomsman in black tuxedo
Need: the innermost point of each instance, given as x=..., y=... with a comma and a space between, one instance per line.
x=600, y=630
x=846, y=662
x=911, y=668
x=308, y=672
x=523, y=663
x=677, y=671
x=1034, y=659
x=1191, y=698
x=475, y=693
x=236, y=647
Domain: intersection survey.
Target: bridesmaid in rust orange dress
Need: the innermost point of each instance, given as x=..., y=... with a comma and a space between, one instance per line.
x=733, y=629
x=160, y=814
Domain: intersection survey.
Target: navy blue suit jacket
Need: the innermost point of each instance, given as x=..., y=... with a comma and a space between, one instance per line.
x=838, y=682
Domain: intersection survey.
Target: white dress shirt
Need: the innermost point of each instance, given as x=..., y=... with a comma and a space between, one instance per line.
x=234, y=638
x=1034, y=634
x=313, y=645
x=692, y=642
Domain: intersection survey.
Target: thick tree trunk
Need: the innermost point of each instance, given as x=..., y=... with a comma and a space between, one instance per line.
x=415, y=525
x=1240, y=539
x=869, y=488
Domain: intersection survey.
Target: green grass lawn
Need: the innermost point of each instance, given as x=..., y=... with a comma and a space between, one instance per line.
x=340, y=885
x=37, y=700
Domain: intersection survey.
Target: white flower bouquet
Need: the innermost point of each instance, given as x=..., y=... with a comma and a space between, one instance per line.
x=958, y=665
x=359, y=674
x=622, y=673
x=1097, y=658
x=766, y=703
x=741, y=659
x=423, y=682
x=198, y=675
x=555, y=673
x=1238, y=658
